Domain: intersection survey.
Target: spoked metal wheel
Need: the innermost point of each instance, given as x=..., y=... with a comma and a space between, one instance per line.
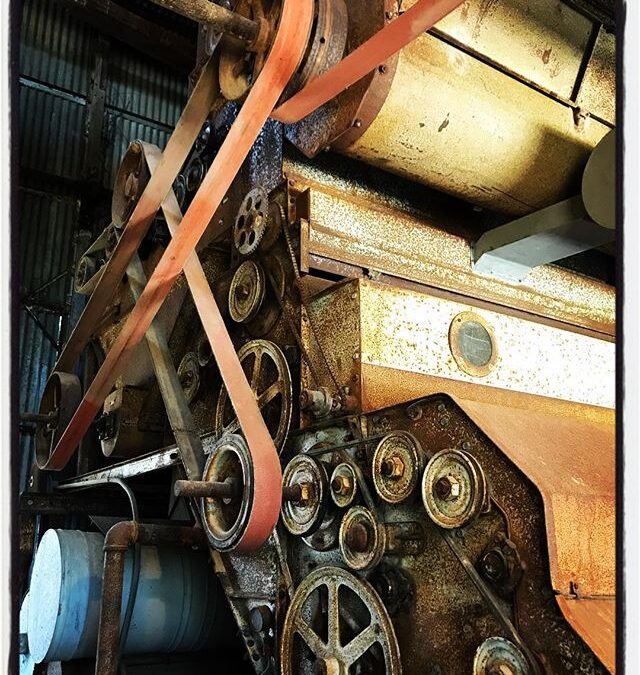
x=337, y=625
x=268, y=375
x=60, y=400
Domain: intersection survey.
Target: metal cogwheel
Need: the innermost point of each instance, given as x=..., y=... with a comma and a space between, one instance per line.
x=454, y=488
x=251, y=221
x=396, y=466
x=225, y=520
x=246, y=292
x=189, y=375
x=269, y=376
x=304, y=517
x=356, y=624
x=501, y=656
x=362, y=539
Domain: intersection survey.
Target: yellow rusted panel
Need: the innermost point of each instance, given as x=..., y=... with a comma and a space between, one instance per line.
x=391, y=345
x=457, y=124
x=353, y=224
x=541, y=41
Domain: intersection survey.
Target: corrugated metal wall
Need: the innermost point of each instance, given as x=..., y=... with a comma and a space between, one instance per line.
x=58, y=55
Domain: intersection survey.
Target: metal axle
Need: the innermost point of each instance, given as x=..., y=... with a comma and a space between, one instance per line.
x=228, y=489
x=223, y=19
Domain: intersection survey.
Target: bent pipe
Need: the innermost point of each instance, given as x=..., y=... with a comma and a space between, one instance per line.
x=116, y=543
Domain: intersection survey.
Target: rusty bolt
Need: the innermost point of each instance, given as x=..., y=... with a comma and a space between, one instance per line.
x=447, y=488
x=357, y=538
x=494, y=565
x=393, y=467
x=299, y=493
x=306, y=398
x=501, y=668
x=243, y=292
x=341, y=485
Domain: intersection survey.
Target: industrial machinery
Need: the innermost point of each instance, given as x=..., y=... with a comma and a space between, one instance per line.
x=397, y=455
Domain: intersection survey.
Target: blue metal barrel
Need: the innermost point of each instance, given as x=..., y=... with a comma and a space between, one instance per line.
x=178, y=604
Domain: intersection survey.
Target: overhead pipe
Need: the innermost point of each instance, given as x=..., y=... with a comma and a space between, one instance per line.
x=221, y=18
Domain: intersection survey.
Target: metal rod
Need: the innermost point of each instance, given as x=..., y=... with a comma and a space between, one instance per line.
x=39, y=418
x=223, y=19
x=209, y=489
x=228, y=489
x=292, y=493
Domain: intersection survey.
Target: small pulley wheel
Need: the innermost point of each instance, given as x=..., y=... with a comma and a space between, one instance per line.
x=268, y=375
x=344, y=485
x=396, y=466
x=336, y=623
x=246, y=292
x=305, y=516
x=131, y=180
x=362, y=539
x=225, y=519
x=60, y=400
x=454, y=488
x=499, y=656
x=271, y=307
x=189, y=375
x=251, y=221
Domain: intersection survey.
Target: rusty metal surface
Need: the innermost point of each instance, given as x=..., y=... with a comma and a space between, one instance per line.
x=542, y=42
x=383, y=334
x=571, y=460
x=597, y=95
x=457, y=124
x=348, y=115
x=595, y=620
x=353, y=223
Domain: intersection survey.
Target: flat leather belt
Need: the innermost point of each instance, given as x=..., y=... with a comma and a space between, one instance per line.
x=282, y=61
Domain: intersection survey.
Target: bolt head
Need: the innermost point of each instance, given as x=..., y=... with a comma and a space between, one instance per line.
x=447, y=488
x=341, y=485
x=306, y=493
x=393, y=467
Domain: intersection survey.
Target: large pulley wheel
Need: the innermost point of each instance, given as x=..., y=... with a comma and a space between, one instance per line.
x=268, y=375
x=226, y=519
x=334, y=623
x=60, y=400
x=239, y=68
x=396, y=466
